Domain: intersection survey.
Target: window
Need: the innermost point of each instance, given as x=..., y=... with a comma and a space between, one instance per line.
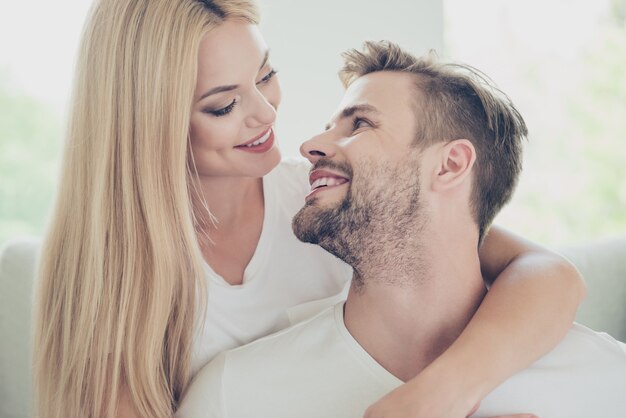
x=563, y=63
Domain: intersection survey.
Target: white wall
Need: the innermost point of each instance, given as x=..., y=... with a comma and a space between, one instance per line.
x=307, y=37
x=38, y=43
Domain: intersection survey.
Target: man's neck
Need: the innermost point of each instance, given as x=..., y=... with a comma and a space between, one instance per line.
x=406, y=323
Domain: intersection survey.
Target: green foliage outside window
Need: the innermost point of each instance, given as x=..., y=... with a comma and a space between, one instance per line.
x=30, y=134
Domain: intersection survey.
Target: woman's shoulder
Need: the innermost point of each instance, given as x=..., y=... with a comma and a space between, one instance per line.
x=293, y=166
x=290, y=178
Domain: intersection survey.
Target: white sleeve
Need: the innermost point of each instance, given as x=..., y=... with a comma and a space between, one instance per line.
x=204, y=397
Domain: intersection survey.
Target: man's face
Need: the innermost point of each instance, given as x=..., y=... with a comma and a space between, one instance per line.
x=365, y=176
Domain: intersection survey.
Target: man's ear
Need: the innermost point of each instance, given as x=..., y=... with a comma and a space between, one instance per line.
x=456, y=161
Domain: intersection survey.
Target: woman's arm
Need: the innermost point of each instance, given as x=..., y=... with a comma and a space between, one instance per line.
x=527, y=312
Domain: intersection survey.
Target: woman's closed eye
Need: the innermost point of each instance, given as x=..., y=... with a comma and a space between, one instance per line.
x=227, y=109
x=223, y=111
x=267, y=76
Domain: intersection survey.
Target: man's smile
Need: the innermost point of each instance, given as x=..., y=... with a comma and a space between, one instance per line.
x=324, y=179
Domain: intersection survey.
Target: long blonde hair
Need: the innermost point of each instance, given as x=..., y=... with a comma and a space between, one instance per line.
x=120, y=277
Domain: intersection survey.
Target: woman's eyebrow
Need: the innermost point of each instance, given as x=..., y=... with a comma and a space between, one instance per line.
x=266, y=57
x=221, y=89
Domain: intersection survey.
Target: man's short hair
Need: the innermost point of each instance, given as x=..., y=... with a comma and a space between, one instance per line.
x=455, y=101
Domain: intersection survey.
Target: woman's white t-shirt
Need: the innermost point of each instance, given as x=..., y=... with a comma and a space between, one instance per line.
x=282, y=273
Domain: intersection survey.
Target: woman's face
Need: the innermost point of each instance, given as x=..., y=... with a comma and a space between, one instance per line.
x=235, y=103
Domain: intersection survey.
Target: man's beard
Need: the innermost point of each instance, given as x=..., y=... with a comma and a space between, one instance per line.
x=371, y=226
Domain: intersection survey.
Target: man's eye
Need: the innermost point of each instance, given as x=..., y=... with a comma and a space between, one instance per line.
x=360, y=123
x=223, y=111
x=268, y=76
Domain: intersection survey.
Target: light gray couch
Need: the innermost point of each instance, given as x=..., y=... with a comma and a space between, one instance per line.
x=602, y=263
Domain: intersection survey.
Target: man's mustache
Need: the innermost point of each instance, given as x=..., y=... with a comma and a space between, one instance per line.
x=341, y=166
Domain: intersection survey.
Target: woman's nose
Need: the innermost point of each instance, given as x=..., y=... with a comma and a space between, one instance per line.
x=265, y=103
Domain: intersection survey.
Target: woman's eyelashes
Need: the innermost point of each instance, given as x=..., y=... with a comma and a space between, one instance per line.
x=223, y=111
x=226, y=110
x=268, y=76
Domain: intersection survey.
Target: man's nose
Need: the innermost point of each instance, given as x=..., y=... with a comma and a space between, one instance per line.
x=319, y=146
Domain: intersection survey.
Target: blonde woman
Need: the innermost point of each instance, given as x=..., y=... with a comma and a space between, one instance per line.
x=171, y=240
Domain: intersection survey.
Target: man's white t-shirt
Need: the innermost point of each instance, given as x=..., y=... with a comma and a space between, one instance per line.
x=282, y=273
x=317, y=369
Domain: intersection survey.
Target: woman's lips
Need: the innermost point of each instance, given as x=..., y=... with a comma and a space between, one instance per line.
x=260, y=144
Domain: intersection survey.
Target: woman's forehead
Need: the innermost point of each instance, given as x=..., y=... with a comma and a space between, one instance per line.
x=232, y=49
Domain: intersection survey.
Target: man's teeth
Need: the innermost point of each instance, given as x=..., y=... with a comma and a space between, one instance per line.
x=261, y=140
x=326, y=181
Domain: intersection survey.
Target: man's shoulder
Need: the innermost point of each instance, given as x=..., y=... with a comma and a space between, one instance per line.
x=582, y=343
x=288, y=345
x=584, y=355
x=204, y=397
x=255, y=379
x=587, y=369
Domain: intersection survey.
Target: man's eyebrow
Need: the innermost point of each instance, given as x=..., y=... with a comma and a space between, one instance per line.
x=351, y=110
x=230, y=87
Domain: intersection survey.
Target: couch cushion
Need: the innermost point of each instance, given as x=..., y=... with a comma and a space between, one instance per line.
x=603, y=265
x=17, y=270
